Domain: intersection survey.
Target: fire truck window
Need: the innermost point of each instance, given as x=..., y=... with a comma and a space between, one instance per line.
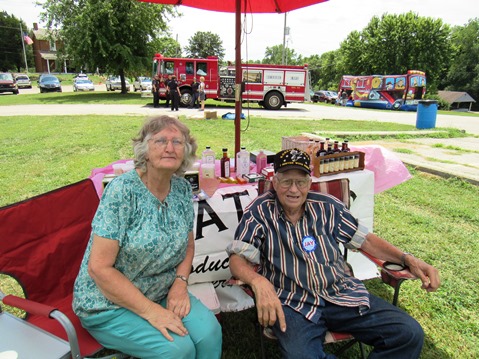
x=189, y=68
x=252, y=76
x=169, y=67
x=201, y=69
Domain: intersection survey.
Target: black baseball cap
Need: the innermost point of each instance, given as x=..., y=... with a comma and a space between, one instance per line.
x=292, y=159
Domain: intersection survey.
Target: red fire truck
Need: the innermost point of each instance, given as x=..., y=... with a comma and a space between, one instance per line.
x=271, y=86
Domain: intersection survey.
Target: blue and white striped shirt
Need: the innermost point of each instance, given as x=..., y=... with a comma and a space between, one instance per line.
x=303, y=260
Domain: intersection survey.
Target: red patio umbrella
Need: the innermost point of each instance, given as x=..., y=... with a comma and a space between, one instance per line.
x=238, y=7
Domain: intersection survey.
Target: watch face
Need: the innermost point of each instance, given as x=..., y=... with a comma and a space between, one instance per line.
x=393, y=266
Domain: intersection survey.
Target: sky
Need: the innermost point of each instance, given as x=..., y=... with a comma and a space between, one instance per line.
x=312, y=30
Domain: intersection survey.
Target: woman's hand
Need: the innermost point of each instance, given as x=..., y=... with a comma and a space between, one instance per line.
x=178, y=300
x=165, y=320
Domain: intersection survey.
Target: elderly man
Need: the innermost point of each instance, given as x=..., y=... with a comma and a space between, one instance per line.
x=301, y=288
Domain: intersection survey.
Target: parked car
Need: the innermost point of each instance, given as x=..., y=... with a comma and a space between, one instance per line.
x=114, y=83
x=82, y=84
x=334, y=96
x=80, y=77
x=7, y=83
x=23, y=81
x=49, y=83
x=323, y=96
x=142, y=83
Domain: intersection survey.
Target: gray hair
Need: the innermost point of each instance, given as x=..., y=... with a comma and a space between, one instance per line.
x=154, y=125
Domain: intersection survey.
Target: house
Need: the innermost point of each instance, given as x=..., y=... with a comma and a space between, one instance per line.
x=459, y=101
x=45, y=47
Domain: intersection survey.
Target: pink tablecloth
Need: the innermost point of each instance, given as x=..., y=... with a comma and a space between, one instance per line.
x=389, y=171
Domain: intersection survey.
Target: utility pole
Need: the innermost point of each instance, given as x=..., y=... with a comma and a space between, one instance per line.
x=284, y=40
x=23, y=44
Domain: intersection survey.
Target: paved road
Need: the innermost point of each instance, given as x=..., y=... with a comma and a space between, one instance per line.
x=294, y=111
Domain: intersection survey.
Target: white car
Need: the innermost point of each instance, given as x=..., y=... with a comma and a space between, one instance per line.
x=80, y=77
x=83, y=85
x=23, y=81
x=113, y=83
x=142, y=84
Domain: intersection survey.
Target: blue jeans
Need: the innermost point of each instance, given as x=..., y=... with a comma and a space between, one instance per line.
x=123, y=330
x=391, y=331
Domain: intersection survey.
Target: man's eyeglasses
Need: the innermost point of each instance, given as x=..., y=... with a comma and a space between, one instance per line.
x=300, y=183
x=162, y=142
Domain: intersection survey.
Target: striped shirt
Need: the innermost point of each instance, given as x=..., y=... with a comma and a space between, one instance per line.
x=303, y=261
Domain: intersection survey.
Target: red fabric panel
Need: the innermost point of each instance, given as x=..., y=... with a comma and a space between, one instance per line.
x=247, y=6
x=42, y=241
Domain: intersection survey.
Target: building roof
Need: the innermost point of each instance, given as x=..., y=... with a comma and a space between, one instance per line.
x=455, y=96
x=45, y=34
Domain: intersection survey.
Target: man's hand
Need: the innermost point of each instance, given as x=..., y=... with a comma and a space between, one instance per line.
x=268, y=305
x=428, y=275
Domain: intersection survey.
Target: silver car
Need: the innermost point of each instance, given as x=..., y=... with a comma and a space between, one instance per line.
x=142, y=84
x=23, y=81
x=83, y=85
x=114, y=83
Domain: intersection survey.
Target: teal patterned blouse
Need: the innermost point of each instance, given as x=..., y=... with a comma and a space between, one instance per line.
x=152, y=236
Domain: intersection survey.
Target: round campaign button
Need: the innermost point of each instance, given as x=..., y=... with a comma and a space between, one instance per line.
x=308, y=243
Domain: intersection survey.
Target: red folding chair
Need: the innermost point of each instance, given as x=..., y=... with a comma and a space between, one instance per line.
x=42, y=241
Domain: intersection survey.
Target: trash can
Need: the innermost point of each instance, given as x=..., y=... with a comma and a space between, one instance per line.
x=426, y=114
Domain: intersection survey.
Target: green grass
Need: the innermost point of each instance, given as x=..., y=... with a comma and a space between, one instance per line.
x=437, y=219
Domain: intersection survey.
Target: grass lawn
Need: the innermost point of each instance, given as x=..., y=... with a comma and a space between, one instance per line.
x=434, y=218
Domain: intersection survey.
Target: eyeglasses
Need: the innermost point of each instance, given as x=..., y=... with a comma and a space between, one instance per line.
x=162, y=142
x=300, y=183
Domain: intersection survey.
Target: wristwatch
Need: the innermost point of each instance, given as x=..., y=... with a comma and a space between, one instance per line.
x=182, y=277
x=403, y=258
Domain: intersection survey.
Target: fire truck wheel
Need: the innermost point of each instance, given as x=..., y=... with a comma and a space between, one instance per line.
x=186, y=97
x=273, y=101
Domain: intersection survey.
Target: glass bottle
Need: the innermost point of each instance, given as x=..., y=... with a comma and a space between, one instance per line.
x=330, y=149
x=345, y=146
x=261, y=161
x=336, y=147
x=208, y=156
x=242, y=162
x=225, y=164
x=322, y=151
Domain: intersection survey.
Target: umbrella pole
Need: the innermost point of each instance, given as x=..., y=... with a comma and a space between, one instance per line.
x=238, y=79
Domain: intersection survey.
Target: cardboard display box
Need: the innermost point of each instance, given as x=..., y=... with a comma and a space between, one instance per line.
x=269, y=156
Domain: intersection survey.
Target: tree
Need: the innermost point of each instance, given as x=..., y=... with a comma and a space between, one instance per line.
x=394, y=44
x=11, y=49
x=463, y=75
x=204, y=44
x=109, y=34
x=274, y=55
x=166, y=46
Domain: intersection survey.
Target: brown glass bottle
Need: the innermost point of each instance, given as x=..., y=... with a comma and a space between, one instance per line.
x=345, y=146
x=336, y=147
x=322, y=151
x=225, y=164
x=330, y=149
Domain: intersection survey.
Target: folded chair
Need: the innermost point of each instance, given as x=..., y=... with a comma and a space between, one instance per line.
x=42, y=241
x=339, y=188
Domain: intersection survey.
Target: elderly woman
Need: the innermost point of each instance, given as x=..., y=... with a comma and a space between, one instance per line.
x=131, y=292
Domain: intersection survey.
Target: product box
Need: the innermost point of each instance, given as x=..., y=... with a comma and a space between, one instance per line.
x=268, y=172
x=269, y=156
x=193, y=177
x=253, y=177
x=211, y=115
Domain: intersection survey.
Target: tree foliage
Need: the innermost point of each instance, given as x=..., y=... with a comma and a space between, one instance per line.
x=112, y=35
x=11, y=49
x=394, y=44
x=204, y=44
x=274, y=55
x=463, y=74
